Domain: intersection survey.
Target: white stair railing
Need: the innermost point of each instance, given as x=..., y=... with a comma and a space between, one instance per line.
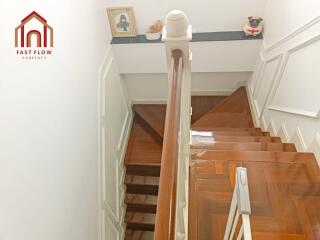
x=240, y=207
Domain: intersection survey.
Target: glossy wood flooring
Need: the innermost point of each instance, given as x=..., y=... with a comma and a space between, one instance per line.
x=284, y=185
x=142, y=160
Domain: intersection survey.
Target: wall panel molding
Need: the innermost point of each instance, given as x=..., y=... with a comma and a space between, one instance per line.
x=278, y=59
x=114, y=133
x=293, y=34
x=298, y=140
x=284, y=64
x=259, y=74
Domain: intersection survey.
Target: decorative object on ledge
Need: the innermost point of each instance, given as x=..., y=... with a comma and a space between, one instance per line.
x=122, y=21
x=196, y=37
x=253, y=26
x=154, y=31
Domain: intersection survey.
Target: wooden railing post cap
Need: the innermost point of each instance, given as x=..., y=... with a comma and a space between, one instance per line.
x=176, y=23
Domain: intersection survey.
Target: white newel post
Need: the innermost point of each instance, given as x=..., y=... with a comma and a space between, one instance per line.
x=177, y=34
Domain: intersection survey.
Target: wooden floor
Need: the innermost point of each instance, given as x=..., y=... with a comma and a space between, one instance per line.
x=284, y=185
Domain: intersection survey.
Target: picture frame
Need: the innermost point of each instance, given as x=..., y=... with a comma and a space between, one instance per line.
x=122, y=21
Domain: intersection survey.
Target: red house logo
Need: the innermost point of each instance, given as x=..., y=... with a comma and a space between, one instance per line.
x=34, y=31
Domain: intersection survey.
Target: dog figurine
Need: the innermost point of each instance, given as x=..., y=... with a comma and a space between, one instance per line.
x=253, y=26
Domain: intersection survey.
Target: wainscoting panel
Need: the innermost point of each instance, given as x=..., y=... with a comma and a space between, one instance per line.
x=266, y=81
x=256, y=74
x=115, y=123
x=298, y=92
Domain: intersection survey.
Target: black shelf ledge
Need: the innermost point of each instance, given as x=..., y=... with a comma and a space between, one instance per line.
x=196, y=37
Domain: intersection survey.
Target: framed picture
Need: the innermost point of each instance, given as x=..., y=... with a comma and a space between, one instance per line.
x=122, y=21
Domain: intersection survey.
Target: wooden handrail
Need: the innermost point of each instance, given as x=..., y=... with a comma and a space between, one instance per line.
x=166, y=205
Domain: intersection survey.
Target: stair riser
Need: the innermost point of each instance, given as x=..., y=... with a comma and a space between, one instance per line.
x=142, y=189
x=281, y=147
x=140, y=170
x=141, y=208
x=140, y=226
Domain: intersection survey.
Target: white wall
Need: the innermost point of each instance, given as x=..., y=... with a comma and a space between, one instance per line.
x=214, y=56
x=284, y=89
x=48, y=124
x=153, y=87
x=204, y=15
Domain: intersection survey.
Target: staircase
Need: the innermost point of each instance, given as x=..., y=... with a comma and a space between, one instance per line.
x=142, y=161
x=284, y=185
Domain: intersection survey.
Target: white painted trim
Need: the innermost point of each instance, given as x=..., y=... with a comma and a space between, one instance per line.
x=256, y=72
x=298, y=140
x=283, y=134
x=226, y=92
x=272, y=128
x=278, y=58
x=102, y=67
x=294, y=33
x=259, y=74
x=273, y=89
x=315, y=148
x=122, y=173
x=101, y=112
x=114, y=217
x=297, y=47
x=256, y=105
x=115, y=226
x=296, y=111
x=149, y=101
x=264, y=124
x=252, y=108
x=122, y=135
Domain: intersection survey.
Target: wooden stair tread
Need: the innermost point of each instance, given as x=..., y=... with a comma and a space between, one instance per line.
x=224, y=129
x=202, y=104
x=247, y=146
x=153, y=114
x=277, y=236
x=142, y=184
x=288, y=157
x=140, y=221
x=141, y=203
x=143, y=180
x=140, y=199
x=138, y=235
x=220, y=138
x=230, y=133
x=142, y=146
x=225, y=119
x=233, y=111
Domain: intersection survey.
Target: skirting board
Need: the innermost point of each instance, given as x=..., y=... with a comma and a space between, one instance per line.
x=297, y=139
x=194, y=93
x=263, y=124
x=272, y=128
x=315, y=148
x=283, y=134
x=252, y=107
